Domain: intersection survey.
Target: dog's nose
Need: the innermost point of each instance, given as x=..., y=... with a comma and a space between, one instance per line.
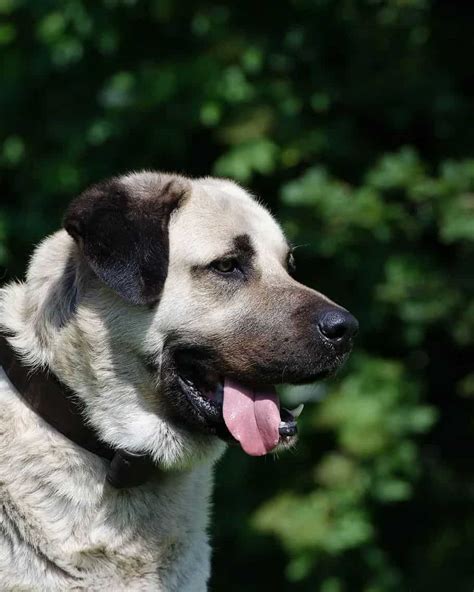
x=338, y=325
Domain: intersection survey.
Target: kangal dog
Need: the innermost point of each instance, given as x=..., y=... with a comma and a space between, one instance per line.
x=164, y=312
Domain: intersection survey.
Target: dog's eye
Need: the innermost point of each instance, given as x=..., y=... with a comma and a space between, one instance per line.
x=225, y=265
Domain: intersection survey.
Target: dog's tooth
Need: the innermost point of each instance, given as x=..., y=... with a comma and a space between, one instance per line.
x=296, y=412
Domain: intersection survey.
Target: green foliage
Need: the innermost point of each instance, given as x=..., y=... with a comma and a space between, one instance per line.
x=351, y=119
x=374, y=415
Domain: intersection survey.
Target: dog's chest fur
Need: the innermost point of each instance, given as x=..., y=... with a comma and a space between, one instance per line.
x=63, y=528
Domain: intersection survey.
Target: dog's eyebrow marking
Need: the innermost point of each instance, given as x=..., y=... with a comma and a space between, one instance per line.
x=243, y=248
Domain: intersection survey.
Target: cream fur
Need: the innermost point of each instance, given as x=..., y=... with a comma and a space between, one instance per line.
x=62, y=527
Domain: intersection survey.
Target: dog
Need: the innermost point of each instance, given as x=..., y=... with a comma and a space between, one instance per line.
x=155, y=324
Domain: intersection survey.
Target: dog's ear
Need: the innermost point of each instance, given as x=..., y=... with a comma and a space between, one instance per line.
x=122, y=232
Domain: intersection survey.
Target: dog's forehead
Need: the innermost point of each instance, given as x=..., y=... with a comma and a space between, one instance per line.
x=217, y=212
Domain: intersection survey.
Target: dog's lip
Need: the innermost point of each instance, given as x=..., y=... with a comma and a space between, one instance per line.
x=202, y=403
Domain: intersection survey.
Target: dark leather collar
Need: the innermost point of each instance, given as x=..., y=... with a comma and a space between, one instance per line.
x=58, y=405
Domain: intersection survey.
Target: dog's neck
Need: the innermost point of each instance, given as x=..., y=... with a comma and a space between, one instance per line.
x=54, y=402
x=65, y=527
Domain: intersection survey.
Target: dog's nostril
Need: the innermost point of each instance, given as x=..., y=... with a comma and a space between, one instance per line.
x=338, y=324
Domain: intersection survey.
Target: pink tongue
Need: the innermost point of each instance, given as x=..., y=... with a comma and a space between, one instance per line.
x=252, y=417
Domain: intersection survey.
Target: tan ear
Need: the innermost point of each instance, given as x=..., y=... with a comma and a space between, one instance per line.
x=124, y=236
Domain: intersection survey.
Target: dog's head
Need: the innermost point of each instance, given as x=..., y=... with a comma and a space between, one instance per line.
x=196, y=315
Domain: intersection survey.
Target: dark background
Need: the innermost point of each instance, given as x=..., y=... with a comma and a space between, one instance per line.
x=354, y=121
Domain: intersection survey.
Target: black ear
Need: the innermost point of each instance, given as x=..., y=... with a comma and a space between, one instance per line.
x=122, y=230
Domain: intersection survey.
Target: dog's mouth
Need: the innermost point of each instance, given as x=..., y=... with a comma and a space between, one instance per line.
x=250, y=415
x=234, y=408
x=202, y=392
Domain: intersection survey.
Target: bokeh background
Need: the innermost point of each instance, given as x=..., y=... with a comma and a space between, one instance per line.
x=354, y=121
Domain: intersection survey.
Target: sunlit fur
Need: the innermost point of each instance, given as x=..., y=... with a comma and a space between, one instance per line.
x=61, y=526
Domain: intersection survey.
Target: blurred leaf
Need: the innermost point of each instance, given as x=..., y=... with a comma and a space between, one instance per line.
x=240, y=163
